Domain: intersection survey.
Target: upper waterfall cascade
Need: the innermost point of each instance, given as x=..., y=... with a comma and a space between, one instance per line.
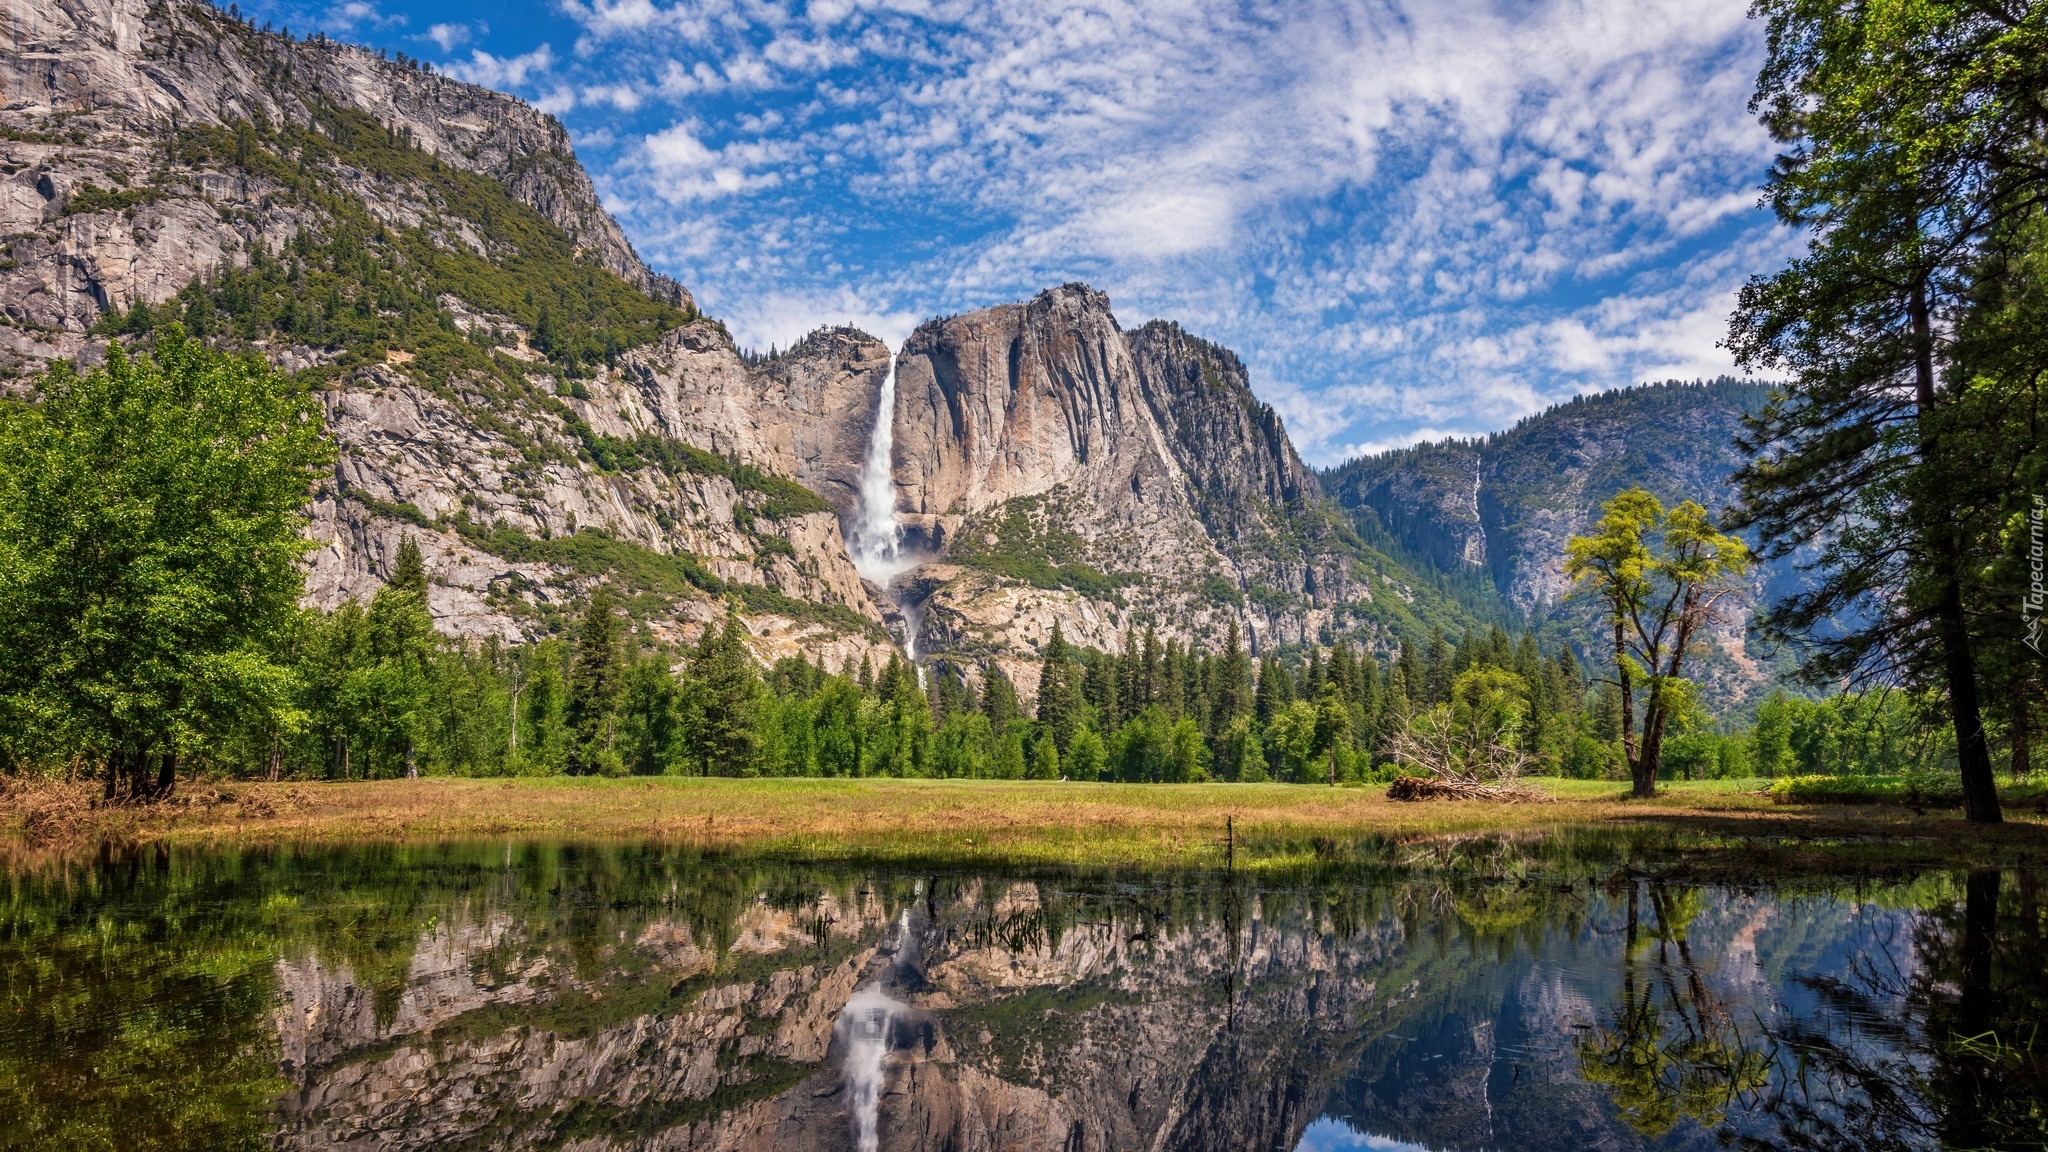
x=877, y=545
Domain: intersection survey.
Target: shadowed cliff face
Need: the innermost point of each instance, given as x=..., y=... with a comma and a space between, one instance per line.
x=1063, y=469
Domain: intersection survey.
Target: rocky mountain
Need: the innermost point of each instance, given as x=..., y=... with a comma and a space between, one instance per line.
x=715, y=1003
x=975, y=1015
x=1054, y=466
x=506, y=380
x=1493, y=515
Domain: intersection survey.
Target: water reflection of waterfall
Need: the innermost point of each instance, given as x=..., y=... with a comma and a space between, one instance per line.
x=877, y=544
x=864, y=1028
x=864, y=1025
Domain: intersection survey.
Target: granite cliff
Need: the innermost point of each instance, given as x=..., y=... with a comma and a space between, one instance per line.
x=1054, y=466
x=511, y=386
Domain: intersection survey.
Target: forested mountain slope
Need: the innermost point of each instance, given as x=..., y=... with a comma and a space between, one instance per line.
x=1494, y=515
x=505, y=379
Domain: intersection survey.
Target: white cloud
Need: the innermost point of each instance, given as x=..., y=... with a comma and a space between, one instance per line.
x=506, y=72
x=1412, y=217
x=357, y=14
x=449, y=36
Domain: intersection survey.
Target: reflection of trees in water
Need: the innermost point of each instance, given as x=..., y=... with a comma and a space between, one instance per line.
x=1932, y=1042
x=1922, y=1040
x=1927, y=1039
x=1673, y=1050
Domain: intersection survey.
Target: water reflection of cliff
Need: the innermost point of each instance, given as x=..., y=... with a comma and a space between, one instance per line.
x=959, y=1013
x=610, y=998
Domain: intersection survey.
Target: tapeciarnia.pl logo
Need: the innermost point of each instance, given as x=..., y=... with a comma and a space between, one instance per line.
x=2037, y=587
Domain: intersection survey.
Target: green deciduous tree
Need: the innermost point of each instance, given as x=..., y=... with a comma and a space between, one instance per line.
x=150, y=534
x=1660, y=579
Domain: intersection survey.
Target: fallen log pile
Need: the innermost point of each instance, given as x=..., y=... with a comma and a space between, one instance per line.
x=1436, y=788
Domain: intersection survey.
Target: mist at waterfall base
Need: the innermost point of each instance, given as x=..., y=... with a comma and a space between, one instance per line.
x=876, y=543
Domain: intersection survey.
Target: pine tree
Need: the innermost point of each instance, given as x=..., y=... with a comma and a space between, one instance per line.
x=1059, y=697
x=1099, y=688
x=1148, y=672
x=409, y=571
x=596, y=679
x=1233, y=690
x=1266, y=702
x=999, y=699
x=724, y=691
x=1437, y=672
x=1413, y=681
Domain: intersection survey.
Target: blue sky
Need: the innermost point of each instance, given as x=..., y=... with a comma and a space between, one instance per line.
x=1412, y=218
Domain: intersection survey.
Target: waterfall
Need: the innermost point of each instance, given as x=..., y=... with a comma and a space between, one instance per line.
x=877, y=545
x=877, y=537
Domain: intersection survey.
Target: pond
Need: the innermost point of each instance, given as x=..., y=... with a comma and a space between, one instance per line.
x=1535, y=994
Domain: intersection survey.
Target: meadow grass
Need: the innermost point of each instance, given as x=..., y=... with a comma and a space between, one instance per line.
x=1004, y=822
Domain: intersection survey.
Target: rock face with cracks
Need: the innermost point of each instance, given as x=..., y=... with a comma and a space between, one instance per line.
x=1063, y=469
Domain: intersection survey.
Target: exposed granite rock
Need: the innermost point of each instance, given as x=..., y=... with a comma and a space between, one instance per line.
x=122, y=73
x=1140, y=463
x=1504, y=507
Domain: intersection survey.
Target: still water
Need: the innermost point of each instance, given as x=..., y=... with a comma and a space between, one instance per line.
x=491, y=995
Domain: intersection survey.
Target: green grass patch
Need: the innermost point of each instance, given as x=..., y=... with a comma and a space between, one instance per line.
x=1925, y=789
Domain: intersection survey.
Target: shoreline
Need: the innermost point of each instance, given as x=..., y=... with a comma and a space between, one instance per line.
x=1006, y=823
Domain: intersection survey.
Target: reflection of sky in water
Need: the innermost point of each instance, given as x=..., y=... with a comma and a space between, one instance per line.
x=1327, y=1135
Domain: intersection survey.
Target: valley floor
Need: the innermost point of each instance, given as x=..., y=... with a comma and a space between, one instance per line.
x=1717, y=828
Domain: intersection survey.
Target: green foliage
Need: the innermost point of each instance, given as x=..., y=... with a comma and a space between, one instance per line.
x=150, y=520
x=1910, y=409
x=721, y=698
x=1875, y=733
x=596, y=681
x=654, y=580
x=364, y=287
x=89, y=197
x=1929, y=789
x=783, y=498
x=1020, y=541
x=1657, y=577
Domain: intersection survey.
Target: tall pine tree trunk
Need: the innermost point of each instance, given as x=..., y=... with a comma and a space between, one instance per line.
x=1980, y=792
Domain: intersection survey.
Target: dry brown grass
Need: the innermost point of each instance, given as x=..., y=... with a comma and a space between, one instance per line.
x=966, y=821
